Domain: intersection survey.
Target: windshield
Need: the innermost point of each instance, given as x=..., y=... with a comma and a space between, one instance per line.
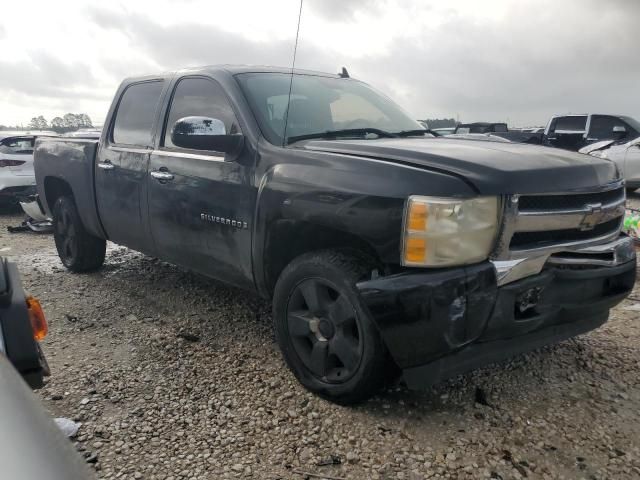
x=318, y=105
x=633, y=123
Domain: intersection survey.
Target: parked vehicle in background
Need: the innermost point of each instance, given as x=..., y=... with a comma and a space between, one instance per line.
x=625, y=154
x=444, y=131
x=382, y=247
x=481, y=127
x=497, y=130
x=573, y=132
x=84, y=133
x=16, y=166
x=486, y=137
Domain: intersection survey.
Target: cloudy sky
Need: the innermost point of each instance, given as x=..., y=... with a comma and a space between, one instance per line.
x=492, y=60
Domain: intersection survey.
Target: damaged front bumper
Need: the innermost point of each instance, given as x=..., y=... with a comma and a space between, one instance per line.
x=439, y=323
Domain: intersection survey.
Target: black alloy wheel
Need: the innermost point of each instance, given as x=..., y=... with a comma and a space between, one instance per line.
x=78, y=250
x=324, y=328
x=325, y=332
x=66, y=238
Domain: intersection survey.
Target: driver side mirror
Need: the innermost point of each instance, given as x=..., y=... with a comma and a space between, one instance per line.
x=204, y=133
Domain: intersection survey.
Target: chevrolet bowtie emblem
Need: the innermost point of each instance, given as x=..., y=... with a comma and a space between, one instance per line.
x=592, y=218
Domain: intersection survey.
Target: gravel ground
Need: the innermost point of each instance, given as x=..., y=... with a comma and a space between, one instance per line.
x=174, y=376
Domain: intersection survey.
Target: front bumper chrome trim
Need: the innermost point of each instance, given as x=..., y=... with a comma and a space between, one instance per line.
x=610, y=254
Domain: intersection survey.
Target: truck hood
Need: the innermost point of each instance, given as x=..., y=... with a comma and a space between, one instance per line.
x=490, y=167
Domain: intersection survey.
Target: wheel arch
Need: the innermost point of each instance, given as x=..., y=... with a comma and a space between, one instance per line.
x=55, y=188
x=286, y=240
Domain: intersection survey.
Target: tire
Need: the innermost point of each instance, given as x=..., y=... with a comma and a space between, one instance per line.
x=78, y=250
x=324, y=331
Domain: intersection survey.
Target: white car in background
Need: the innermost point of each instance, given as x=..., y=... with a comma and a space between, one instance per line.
x=16, y=165
x=626, y=155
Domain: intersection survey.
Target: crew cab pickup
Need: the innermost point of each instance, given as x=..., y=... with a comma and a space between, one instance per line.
x=379, y=244
x=573, y=132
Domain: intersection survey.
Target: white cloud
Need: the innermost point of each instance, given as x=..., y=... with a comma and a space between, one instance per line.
x=488, y=60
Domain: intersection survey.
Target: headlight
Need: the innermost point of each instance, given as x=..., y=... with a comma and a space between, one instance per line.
x=442, y=232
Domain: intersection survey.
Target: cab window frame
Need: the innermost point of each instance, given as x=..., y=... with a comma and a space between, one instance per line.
x=152, y=130
x=167, y=113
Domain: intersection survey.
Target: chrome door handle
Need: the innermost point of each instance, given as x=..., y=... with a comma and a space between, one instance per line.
x=106, y=165
x=158, y=175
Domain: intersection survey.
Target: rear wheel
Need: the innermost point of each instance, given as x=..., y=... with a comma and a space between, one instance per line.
x=78, y=250
x=326, y=335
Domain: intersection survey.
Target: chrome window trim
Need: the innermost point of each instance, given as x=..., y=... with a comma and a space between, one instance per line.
x=128, y=149
x=194, y=156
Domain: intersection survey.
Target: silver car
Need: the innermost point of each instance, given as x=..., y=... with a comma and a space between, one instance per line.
x=626, y=155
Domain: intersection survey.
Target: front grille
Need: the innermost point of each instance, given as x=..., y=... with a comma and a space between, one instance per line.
x=568, y=202
x=523, y=240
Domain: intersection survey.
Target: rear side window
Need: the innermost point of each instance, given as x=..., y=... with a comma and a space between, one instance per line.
x=203, y=98
x=577, y=123
x=136, y=113
x=17, y=146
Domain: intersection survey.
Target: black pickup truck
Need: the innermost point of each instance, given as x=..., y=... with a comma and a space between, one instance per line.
x=573, y=132
x=379, y=244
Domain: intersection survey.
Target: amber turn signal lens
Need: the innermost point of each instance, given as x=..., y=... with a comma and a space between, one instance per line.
x=36, y=317
x=418, y=214
x=415, y=250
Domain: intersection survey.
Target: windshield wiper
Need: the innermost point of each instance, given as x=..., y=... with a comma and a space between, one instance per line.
x=341, y=133
x=411, y=133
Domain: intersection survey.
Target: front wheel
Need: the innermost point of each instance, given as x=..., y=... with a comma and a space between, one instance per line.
x=326, y=335
x=78, y=250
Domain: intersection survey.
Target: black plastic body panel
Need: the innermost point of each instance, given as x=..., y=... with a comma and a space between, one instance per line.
x=426, y=314
x=17, y=335
x=438, y=325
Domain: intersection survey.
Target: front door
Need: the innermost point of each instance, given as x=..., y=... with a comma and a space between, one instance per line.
x=201, y=203
x=121, y=166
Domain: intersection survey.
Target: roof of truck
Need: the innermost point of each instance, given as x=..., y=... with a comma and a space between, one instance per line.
x=234, y=70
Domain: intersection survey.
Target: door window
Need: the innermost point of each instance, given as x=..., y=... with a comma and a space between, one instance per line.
x=576, y=123
x=136, y=113
x=602, y=126
x=199, y=97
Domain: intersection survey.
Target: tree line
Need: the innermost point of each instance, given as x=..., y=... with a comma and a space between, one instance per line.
x=70, y=122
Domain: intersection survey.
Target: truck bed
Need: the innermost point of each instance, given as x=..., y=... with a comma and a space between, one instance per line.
x=72, y=162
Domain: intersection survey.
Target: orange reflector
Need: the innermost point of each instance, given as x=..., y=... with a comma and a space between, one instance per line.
x=418, y=216
x=36, y=317
x=415, y=250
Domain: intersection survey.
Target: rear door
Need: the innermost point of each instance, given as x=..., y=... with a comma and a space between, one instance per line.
x=121, y=168
x=201, y=212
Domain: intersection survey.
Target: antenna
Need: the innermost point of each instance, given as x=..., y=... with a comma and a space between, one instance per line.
x=344, y=73
x=293, y=64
